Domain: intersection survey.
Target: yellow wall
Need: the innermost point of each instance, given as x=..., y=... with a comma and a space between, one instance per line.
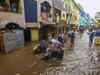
x=20, y=7
x=57, y=19
x=35, y=35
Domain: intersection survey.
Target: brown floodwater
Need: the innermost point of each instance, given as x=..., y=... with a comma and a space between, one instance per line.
x=81, y=60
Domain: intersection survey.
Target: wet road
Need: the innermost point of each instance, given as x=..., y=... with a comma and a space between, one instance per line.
x=81, y=60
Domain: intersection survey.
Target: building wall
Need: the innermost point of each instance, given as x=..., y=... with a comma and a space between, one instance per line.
x=35, y=35
x=72, y=15
x=6, y=17
x=74, y=12
x=78, y=17
x=63, y=15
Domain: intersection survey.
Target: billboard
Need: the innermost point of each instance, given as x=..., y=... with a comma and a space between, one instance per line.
x=44, y=10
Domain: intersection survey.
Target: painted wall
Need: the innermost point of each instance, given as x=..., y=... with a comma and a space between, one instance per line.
x=35, y=35
x=78, y=17
x=63, y=15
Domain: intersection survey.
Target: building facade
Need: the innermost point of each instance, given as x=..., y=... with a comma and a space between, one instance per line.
x=12, y=11
x=97, y=20
x=61, y=12
x=12, y=19
x=38, y=16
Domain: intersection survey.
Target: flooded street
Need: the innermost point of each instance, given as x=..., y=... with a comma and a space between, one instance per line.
x=81, y=60
x=49, y=37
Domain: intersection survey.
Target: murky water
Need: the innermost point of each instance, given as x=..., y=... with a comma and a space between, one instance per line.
x=81, y=60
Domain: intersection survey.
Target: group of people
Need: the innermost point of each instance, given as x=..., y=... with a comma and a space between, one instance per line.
x=51, y=49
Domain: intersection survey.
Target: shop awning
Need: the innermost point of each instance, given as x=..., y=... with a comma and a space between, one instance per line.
x=53, y=25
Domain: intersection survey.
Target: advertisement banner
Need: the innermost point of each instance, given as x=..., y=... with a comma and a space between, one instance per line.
x=44, y=11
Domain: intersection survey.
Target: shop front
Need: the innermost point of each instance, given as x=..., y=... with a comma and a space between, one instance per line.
x=31, y=35
x=45, y=30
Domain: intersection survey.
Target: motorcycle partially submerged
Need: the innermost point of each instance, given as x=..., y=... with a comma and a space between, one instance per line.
x=55, y=50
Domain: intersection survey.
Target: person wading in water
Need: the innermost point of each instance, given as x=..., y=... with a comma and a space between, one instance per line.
x=72, y=39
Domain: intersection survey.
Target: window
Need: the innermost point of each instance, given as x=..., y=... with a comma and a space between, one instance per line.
x=10, y=5
x=4, y=5
x=14, y=5
x=2, y=2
